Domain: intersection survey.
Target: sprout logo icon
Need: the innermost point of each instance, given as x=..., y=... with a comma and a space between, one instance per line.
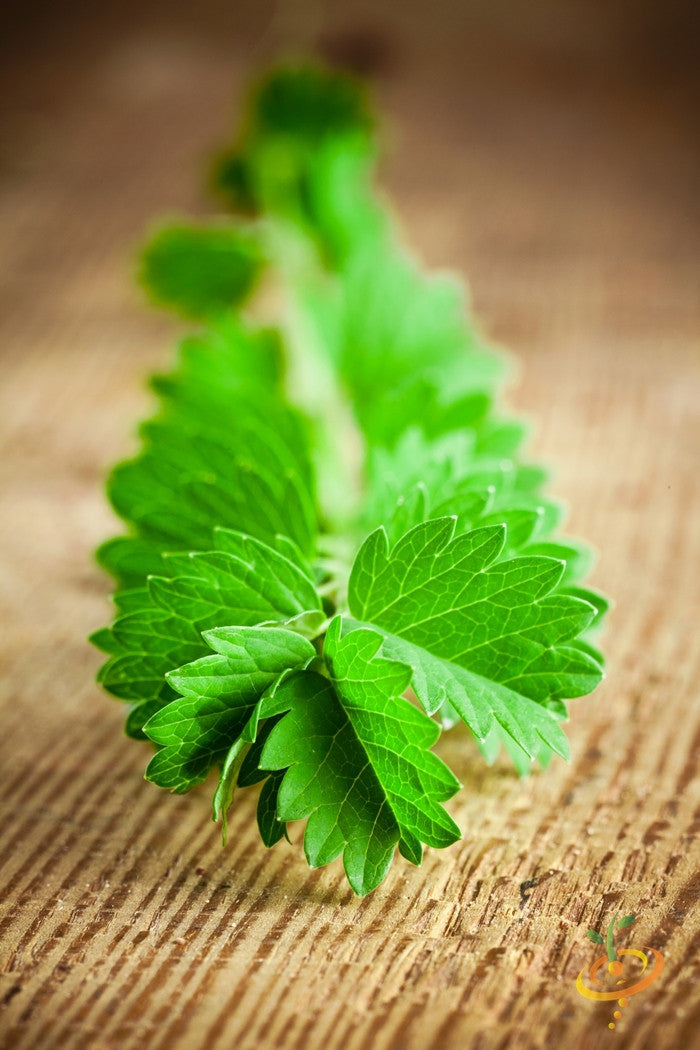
x=627, y=968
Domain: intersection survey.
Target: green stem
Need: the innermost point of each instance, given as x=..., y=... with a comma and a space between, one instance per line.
x=612, y=954
x=312, y=380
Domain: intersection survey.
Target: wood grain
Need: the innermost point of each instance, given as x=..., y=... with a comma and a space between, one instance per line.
x=548, y=159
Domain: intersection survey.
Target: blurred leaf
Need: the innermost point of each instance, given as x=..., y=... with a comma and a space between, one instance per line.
x=200, y=271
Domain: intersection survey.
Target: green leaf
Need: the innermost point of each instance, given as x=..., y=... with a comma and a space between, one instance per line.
x=369, y=687
x=359, y=763
x=490, y=637
x=626, y=920
x=200, y=270
x=215, y=484
x=306, y=154
x=224, y=450
x=245, y=659
x=218, y=696
x=309, y=102
x=482, y=705
x=241, y=766
x=130, y=559
x=399, y=339
x=245, y=582
x=229, y=356
x=595, y=937
x=419, y=479
x=300, y=106
x=576, y=557
x=223, y=796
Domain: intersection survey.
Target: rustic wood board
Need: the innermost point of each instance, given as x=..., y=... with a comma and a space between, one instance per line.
x=548, y=159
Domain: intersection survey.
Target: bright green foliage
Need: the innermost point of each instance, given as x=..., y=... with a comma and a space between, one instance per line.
x=240, y=581
x=227, y=444
x=219, y=695
x=200, y=271
x=305, y=156
x=334, y=549
x=490, y=635
x=358, y=762
x=408, y=337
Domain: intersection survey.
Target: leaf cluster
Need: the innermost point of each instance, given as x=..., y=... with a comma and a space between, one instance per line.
x=333, y=548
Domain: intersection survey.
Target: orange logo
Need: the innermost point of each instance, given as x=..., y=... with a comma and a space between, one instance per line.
x=628, y=969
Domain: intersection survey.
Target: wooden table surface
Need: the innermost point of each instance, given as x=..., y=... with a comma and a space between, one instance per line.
x=545, y=152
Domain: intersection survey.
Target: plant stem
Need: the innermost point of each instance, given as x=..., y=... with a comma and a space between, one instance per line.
x=612, y=954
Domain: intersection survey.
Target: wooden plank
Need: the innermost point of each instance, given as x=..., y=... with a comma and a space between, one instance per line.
x=567, y=199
